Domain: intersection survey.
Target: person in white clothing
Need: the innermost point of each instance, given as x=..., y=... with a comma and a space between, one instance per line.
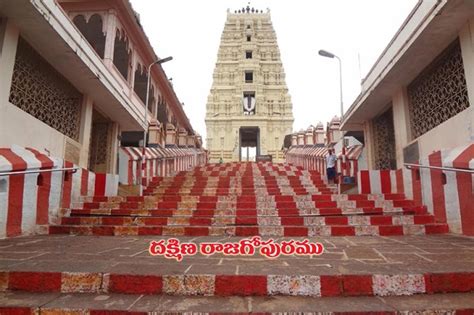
x=331, y=166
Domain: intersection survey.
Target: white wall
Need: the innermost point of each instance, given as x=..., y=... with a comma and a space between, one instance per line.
x=454, y=132
x=20, y=128
x=16, y=126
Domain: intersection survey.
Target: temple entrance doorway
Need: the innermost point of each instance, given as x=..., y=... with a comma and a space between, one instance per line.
x=100, y=144
x=249, y=143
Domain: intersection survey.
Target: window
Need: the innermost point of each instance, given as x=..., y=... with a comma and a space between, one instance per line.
x=248, y=76
x=439, y=92
x=41, y=91
x=140, y=83
x=92, y=30
x=121, y=55
x=248, y=54
x=384, y=141
x=249, y=38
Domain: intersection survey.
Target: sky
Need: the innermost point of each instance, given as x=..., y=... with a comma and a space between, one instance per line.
x=355, y=30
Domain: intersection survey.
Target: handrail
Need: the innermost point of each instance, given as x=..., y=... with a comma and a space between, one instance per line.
x=449, y=169
x=7, y=173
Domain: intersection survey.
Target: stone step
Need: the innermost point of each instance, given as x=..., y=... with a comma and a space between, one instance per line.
x=251, y=202
x=247, y=204
x=323, y=285
x=134, y=304
x=262, y=220
x=243, y=212
x=252, y=230
x=314, y=197
x=238, y=186
x=226, y=193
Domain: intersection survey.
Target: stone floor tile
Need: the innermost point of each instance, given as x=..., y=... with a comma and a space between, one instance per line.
x=302, y=304
x=92, y=301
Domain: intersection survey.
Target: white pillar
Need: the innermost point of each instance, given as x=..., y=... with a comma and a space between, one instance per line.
x=466, y=38
x=9, y=35
x=111, y=30
x=369, y=143
x=401, y=123
x=85, y=130
x=114, y=147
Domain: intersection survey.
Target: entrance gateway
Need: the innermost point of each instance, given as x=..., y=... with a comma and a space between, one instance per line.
x=249, y=144
x=249, y=108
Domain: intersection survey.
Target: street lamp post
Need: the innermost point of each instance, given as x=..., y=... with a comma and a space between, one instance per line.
x=327, y=54
x=157, y=62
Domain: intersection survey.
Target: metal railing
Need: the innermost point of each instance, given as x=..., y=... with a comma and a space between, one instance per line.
x=448, y=169
x=8, y=173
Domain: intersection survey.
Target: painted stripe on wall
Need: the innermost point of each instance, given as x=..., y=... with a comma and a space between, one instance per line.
x=100, y=180
x=437, y=187
x=375, y=182
x=4, y=184
x=44, y=188
x=76, y=185
x=416, y=186
x=393, y=181
x=426, y=186
x=15, y=193
x=111, y=185
x=364, y=182
x=407, y=183
x=385, y=182
x=30, y=193
x=30, y=189
x=465, y=193
x=91, y=184
x=67, y=186
x=84, y=181
x=453, y=216
x=56, y=191
x=399, y=180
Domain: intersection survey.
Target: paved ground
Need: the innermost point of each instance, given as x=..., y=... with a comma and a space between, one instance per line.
x=56, y=304
x=343, y=255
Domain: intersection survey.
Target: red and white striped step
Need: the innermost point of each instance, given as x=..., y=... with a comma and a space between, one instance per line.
x=244, y=199
x=322, y=285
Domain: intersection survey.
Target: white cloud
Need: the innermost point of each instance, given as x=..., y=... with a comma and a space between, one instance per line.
x=190, y=31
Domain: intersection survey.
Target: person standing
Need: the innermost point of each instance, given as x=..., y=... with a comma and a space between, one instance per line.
x=331, y=166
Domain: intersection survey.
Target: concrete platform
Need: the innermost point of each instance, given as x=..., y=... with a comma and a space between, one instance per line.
x=56, y=304
x=350, y=266
x=343, y=255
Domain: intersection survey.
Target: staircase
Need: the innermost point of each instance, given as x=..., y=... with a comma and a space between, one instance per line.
x=379, y=256
x=247, y=199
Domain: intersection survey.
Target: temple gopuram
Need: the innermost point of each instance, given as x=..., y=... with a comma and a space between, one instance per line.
x=248, y=105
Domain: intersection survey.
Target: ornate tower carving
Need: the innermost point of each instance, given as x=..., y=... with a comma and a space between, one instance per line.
x=249, y=104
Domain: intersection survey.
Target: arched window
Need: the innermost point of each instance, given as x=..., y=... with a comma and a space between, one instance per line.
x=92, y=31
x=151, y=99
x=121, y=54
x=139, y=86
x=162, y=111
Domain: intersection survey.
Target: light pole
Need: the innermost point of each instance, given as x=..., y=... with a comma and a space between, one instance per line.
x=327, y=54
x=157, y=62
